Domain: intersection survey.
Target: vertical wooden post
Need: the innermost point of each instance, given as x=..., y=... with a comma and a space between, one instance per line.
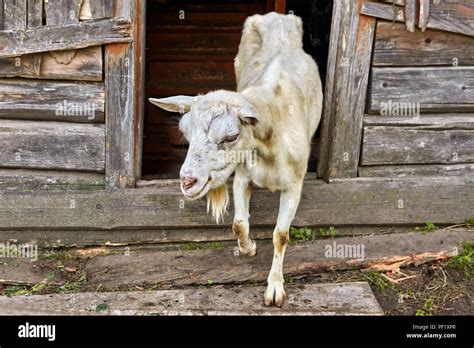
x=280, y=6
x=349, y=61
x=120, y=120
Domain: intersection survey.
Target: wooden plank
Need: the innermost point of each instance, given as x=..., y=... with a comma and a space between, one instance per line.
x=456, y=16
x=424, y=14
x=372, y=202
x=52, y=145
x=353, y=62
x=62, y=11
x=84, y=65
x=58, y=101
x=410, y=145
x=432, y=89
x=420, y=170
x=24, y=271
x=410, y=14
x=309, y=299
x=70, y=36
x=35, y=13
x=435, y=121
x=14, y=15
x=1, y=14
x=395, y=47
x=39, y=180
x=102, y=8
x=327, y=121
x=184, y=268
x=389, y=12
x=120, y=75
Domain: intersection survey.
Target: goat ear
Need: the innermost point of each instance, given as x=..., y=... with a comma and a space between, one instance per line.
x=179, y=103
x=247, y=114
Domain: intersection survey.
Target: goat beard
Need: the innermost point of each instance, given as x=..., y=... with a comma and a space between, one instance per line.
x=217, y=201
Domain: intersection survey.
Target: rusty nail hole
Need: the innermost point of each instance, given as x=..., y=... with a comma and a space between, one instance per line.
x=428, y=40
x=385, y=85
x=98, y=206
x=463, y=88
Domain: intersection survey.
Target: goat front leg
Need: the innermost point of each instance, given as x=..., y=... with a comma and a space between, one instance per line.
x=289, y=200
x=240, y=227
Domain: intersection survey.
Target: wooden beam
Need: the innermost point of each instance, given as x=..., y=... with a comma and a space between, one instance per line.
x=420, y=87
x=56, y=101
x=417, y=170
x=410, y=14
x=342, y=139
x=389, y=12
x=424, y=14
x=395, y=47
x=66, y=37
x=344, y=202
x=456, y=16
x=15, y=15
x=29, y=180
x=121, y=119
x=354, y=298
x=426, y=121
x=411, y=145
x=52, y=145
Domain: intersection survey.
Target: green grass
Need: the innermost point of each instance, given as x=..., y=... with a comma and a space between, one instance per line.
x=15, y=290
x=427, y=308
x=330, y=232
x=470, y=221
x=73, y=286
x=428, y=227
x=464, y=261
x=302, y=234
x=103, y=307
x=380, y=283
x=202, y=246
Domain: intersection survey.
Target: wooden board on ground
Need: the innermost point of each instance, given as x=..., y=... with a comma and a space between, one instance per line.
x=312, y=299
x=417, y=170
x=358, y=201
x=225, y=266
x=23, y=271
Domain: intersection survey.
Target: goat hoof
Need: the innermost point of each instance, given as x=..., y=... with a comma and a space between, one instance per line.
x=250, y=248
x=274, y=295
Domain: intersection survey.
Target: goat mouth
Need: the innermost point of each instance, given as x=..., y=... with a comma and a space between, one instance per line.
x=199, y=193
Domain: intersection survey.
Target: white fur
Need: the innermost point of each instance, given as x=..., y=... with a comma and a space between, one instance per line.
x=275, y=111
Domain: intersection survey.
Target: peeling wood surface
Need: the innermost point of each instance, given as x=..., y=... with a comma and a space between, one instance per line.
x=14, y=14
x=223, y=266
x=435, y=89
x=312, y=299
x=395, y=47
x=64, y=37
x=409, y=145
x=347, y=202
x=22, y=271
x=452, y=15
x=52, y=145
x=57, y=101
x=85, y=65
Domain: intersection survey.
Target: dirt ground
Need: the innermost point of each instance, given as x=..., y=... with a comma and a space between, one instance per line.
x=436, y=288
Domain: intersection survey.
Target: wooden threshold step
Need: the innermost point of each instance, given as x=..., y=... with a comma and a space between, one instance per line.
x=311, y=299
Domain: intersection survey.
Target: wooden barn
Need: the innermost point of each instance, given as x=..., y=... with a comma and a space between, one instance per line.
x=86, y=160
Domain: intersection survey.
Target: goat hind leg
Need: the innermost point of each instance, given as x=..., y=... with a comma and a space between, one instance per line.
x=289, y=200
x=240, y=226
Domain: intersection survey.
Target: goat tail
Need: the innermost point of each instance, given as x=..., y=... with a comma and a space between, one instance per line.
x=217, y=201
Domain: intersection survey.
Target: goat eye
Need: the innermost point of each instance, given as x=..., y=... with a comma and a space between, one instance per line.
x=231, y=138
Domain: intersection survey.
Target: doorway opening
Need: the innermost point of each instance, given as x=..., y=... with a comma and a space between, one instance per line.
x=190, y=49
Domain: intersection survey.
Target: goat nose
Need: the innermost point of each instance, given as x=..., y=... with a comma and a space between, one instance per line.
x=188, y=182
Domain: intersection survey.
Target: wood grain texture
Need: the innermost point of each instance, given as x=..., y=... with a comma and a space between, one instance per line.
x=424, y=14
x=223, y=266
x=452, y=15
x=427, y=121
x=350, y=87
x=410, y=14
x=52, y=145
x=14, y=14
x=22, y=180
x=35, y=13
x=58, y=101
x=389, y=12
x=85, y=65
x=1, y=15
x=311, y=299
x=410, y=145
x=120, y=75
x=435, y=89
x=372, y=201
x=419, y=170
x=70, y=36
x=395, y=47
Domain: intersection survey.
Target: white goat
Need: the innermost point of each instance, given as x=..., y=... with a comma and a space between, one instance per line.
x=270, y=119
